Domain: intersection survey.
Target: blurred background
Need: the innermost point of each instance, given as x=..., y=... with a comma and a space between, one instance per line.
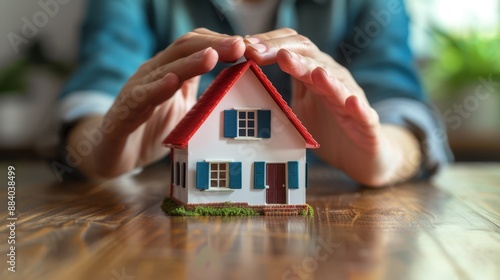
x=457, y=44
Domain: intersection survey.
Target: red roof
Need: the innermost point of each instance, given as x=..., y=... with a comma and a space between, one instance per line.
x=179, y=137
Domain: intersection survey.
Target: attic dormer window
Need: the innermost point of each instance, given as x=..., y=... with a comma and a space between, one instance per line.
x=244, y=124
x=247, y=123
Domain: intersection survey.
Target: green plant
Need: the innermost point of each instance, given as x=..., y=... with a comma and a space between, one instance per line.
x=225, y=211
x=14, y=77
x=308, y=212
x=460, y=61
x=171, y=208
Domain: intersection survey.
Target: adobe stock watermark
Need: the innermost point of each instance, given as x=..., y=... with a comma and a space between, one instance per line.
x=305, y=270
x=31, y=26
x=11, y=217
x=364, y=36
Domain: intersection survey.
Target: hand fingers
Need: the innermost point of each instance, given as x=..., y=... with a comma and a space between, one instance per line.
x=337, y=77
x=279, y=33
x=203, y=30
x=264, y=52
x=330, y=89
x=313, y=74
x=346, y=106
x=268, y=51
x=298, y=66
x=181, y=66
x=185, y=68
x=134, y=106
x=361, y=112
x=229, y=48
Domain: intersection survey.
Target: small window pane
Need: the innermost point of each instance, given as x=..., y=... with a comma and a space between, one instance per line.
x=184, y=175
x=222, y=166
x=251, y=115
x=243, y=132
x=213, y=175
x=222, y=183
x=213, y=183
x=251, y=124
x=242, y=123
x=251, y=132
x=177, y=173
x=242, y=115
x=222, y=175
x=213, y=166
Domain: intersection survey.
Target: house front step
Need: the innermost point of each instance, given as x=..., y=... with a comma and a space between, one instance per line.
x=283, y=210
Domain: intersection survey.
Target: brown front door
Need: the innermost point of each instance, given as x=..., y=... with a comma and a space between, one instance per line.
x=275, y=174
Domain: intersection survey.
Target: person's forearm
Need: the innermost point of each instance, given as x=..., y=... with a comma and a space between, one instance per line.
x=99, y=155
x=397, y=160
x=408, y=155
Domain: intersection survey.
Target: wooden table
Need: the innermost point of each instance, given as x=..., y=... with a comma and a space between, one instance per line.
x=73, y=230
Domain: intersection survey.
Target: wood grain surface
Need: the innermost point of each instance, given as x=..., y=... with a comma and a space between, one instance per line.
x=446, y=229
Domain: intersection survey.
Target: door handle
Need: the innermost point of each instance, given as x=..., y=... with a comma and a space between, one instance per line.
x=283, y=185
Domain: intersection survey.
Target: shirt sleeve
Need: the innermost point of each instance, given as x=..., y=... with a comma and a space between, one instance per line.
x=376, y=50
x=115, y=40
x=79, y=104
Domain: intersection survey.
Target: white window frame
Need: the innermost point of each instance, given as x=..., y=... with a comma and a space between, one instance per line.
x=246, y=128
x=218, y=179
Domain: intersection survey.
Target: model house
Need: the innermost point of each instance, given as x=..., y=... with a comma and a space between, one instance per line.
x=241, y=143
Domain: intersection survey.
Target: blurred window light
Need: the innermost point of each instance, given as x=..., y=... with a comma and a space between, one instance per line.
x=478, y=16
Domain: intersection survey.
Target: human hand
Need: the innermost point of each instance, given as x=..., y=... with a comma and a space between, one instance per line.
x=152, y=102
x=335, y=110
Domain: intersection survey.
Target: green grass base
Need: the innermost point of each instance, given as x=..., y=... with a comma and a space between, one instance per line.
x=172, y=208
x=308, y=212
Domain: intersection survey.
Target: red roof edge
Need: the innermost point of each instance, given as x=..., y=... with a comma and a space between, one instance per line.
x=187, y=127
x=310, y=142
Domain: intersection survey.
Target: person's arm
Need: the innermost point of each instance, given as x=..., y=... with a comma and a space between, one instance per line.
x=385, y=69
x=122, y=102
x=335, y=108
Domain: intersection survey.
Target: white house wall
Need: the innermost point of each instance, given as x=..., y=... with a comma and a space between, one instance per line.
x=179, y=192
x=208, y=143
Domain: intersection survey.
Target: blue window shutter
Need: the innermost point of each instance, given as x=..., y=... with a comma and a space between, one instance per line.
x=307, y=175
x=259, y=175
x=264, y=124
x=202, y=175
x=230, y=123
x=235, y=175
x=293, y=175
